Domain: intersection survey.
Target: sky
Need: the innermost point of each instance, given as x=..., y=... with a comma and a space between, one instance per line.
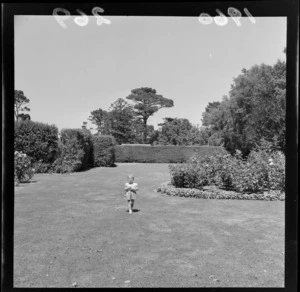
x=69, y=72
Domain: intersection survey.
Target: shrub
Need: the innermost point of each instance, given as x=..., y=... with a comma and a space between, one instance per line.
x=272, y=166
x=260, y=171
x=37, y=140
x=188, y=176
x=75, y=151
x=103, y=150
x=23, y=171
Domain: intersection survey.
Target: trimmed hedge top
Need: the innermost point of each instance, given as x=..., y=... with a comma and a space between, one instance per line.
x=163, y=153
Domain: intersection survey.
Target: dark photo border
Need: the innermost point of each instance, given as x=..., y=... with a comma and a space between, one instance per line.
x=284, y=8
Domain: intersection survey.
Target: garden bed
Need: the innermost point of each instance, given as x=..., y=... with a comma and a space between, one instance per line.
x=212, y=192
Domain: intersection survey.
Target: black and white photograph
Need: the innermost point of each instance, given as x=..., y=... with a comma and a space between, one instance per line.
x=150, y=150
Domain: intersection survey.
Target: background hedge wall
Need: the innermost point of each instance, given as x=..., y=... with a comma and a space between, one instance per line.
x=162, y=154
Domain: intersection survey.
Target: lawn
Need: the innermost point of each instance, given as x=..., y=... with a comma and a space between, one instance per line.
x=73, y=229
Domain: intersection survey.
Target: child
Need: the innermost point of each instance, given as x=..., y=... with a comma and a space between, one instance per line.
x=130, y=192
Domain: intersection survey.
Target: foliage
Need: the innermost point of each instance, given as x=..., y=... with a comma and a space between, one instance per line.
x=39, y=141
x=99, y=118
x=120, y=119
x=138, y=132
x=24, y=117
x=262, y=170
x=147, y=102
x=177, y=131
x=121, y=122
x=23, y=170
x=216, y=193
x=209, y=111
x=104, y=152
x=76, y=151
x=188, y=176
x=254, y=110
x=20, y=104
x=174, y=131
x=162, y=154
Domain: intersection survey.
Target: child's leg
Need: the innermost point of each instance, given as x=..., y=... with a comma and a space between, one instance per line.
x=132, y=203
x=129, y=206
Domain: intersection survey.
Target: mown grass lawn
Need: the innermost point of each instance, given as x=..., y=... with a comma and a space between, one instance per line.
x=75, y=229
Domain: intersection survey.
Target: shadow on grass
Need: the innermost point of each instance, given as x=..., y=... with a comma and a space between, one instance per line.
x=29, y=182
x=134, y=210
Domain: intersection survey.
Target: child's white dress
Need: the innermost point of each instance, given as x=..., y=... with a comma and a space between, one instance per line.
x=131, y=190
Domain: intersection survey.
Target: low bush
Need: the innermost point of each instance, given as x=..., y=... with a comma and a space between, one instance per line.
x=188, y=175
x=272, y=165
x=216, y=193
x=260, y=171
x=39, y=141
x=75, y=151
x=103, y=150
x=23, y=170
x=163, y=153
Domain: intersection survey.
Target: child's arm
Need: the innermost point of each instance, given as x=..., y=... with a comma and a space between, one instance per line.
x=127, y=187
x=135, y=187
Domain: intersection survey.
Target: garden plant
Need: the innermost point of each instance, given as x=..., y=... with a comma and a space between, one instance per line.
x=23, y=170
x=261, y=175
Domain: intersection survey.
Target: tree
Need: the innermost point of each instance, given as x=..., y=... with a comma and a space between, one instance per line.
x=209, y=112
x=24, y=117
x=138, y=132
x=99, y=118
x=147, y=102
x=120, y=119
x=254, y=111
x=174, y=131
x=20, y=101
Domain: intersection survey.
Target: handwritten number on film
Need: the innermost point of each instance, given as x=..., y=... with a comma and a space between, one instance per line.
x=222, y=20
x=82, y=20
x=204, y=18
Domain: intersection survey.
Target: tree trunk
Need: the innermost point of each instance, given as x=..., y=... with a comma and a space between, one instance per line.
x=145, y=131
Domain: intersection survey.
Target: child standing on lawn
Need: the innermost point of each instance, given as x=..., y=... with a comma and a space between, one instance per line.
x=130, y=192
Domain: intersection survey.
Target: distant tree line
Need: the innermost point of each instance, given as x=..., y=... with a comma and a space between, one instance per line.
x=252, y=113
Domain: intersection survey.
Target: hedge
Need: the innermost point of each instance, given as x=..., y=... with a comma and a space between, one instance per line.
x=103, y=150
x=216, y=193
x=163, y=153
x=37, y=140
x=76, y=151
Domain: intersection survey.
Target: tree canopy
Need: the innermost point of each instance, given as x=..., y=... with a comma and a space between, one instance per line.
x=179, y=131
x=255, y=109
x=20, y=105
x=120, y=118
x=99, y=119
x=147, y=102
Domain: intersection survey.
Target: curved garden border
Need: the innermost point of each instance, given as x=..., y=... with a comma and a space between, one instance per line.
x=213, y=192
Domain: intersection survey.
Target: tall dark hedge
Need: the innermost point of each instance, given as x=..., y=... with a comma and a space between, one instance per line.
x=76, y=151
x=163, y=153
x=104, y=151
x=37, y=140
